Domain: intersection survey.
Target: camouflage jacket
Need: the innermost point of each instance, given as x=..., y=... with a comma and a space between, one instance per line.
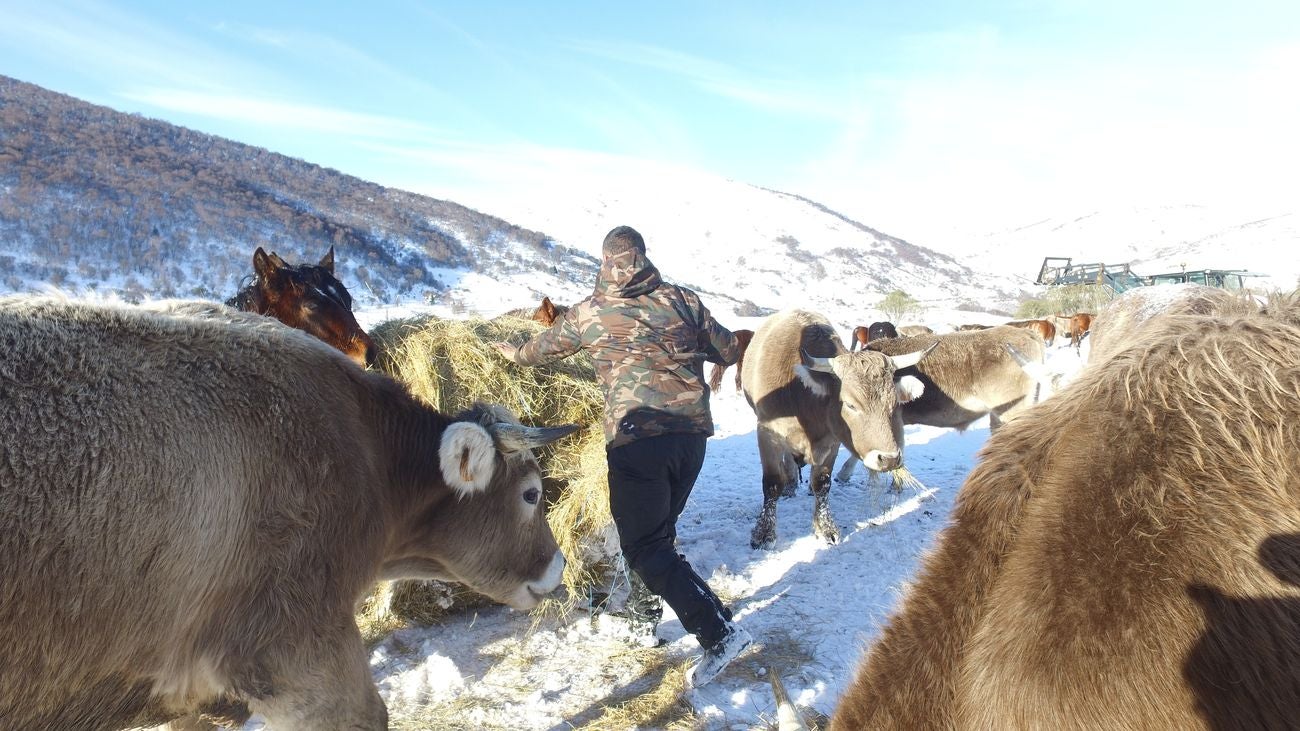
x=649, y=340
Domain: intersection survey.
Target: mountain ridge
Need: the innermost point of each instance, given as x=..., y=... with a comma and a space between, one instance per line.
x=105, y=200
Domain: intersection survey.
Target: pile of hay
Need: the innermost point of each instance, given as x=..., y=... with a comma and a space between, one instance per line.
x=450, y=364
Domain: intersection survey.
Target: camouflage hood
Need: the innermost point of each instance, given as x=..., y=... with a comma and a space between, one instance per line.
x=648, y=340
x=624, y=269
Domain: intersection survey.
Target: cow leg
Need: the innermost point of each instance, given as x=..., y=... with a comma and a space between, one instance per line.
x=846, y=470
x=324, y=683
x=823, y=523
x=793, y=475
x=779, y=476
x=764, y=535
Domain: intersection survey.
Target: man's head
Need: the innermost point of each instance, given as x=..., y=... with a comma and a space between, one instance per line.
x=623, y=239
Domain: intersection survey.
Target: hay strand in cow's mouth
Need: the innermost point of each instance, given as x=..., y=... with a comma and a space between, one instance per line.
x=902, y=478
x=451, y=364
x=898, y=479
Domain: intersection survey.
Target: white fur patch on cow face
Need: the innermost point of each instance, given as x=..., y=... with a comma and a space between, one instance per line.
x=467, y=457
x=805, y=377
x=909, y=388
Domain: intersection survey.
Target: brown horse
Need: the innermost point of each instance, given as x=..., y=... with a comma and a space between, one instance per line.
x=715, y=378
x=306, y=297
x=548, y=312
x=863, y=334
x=1043, y=328
x=1080, y=324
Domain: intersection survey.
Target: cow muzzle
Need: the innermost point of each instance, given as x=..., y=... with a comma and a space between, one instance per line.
x=533, y=592
x=883, y=461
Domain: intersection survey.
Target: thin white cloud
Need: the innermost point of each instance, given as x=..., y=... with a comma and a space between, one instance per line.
x=326, y=50
x=117, y=47
x=771, y=94
x=286, y=115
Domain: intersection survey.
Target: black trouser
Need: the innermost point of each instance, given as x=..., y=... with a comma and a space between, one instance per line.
x=649, y=482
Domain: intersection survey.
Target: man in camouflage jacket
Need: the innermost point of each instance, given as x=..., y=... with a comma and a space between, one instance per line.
x=649, y=340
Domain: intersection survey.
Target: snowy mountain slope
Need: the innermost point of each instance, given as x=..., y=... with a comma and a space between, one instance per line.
x=1154, y=239
x=735, y=242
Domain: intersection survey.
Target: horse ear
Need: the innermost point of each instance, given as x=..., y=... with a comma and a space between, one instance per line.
x=327, y=261
x=264, y=264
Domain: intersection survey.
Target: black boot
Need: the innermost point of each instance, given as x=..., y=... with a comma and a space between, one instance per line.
x=644, y=610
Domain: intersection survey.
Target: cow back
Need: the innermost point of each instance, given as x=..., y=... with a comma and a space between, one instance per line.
x=968, y=374
x=774, y=351
x=1120, y=324
x=152, y=484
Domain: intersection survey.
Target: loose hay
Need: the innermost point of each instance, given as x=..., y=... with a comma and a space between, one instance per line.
x=902, y=478
x=450, y=364
x=898, y=479
x=663, y=706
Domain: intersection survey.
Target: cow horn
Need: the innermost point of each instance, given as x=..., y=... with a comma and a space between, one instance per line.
x=787, y=716
x=1019, y=357
x=517, y=437
x=818, y=363
x=1032, y=368
x=908, y=360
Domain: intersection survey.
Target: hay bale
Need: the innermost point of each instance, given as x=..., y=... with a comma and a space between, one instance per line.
x=450, y=364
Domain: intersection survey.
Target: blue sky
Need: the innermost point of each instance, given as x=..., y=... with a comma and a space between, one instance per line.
x=907, y=116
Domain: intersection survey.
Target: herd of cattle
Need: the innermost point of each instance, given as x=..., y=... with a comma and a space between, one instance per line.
x=1125, y=555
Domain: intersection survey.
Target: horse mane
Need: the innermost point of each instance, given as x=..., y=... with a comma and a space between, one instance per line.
x=244, y=298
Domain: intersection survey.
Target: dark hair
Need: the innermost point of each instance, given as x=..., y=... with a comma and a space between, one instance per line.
x=879, y=330
x=621, y=239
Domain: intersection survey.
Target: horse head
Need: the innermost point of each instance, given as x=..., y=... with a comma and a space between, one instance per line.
x=307, y=297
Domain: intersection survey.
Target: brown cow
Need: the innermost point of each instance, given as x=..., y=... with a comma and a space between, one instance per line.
x=715, y=376
x=1044, y=329
x=908, y=331
x=1125, y=556
x=811, y=395
x=968, y=376
x=192, y=501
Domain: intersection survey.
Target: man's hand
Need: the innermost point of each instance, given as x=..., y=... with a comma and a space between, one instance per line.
x=507, y=350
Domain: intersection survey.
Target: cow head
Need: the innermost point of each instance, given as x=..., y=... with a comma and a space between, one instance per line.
x=870, y=394
x=490, y=531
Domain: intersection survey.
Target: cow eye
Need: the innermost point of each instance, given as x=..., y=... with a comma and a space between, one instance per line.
x=850, y=406
x=532, y=495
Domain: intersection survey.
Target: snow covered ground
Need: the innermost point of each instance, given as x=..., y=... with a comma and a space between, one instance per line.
x=811, y=607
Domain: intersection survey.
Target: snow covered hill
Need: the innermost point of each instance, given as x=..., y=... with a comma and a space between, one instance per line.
x=737, y=243
x=1264, y=239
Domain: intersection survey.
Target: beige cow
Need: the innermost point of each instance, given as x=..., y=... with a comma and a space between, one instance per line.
x=1124, y=556
x=192, y=502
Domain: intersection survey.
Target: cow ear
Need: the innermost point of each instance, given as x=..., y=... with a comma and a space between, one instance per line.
x=467, y=457
x=327, y=261
x=909, y=388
